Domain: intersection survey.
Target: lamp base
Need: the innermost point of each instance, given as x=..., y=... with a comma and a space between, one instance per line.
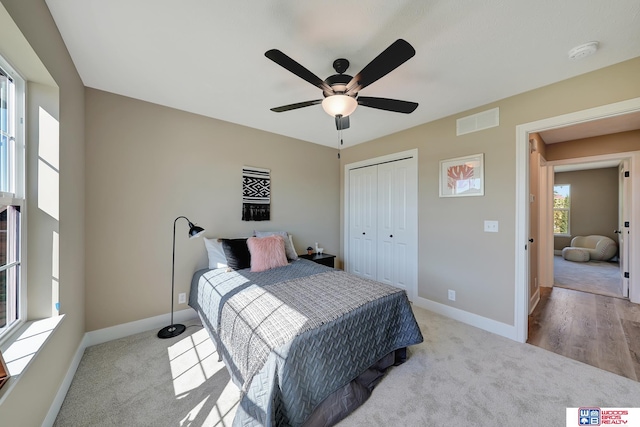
x=171, y=331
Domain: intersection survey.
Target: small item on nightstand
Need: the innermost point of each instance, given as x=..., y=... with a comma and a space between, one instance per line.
x=309, y=250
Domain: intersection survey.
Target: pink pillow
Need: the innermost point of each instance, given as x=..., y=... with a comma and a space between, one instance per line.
x=267, y=252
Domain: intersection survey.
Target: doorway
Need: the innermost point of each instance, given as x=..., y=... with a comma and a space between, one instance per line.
x=589, y=200
x=522, y=294
x=564, y=316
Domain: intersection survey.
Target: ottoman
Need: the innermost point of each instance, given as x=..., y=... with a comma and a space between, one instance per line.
x=575, y=254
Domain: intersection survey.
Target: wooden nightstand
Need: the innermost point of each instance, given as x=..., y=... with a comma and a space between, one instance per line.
x=324, y=259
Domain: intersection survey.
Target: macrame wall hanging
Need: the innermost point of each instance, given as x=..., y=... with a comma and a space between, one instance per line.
x=256, y=194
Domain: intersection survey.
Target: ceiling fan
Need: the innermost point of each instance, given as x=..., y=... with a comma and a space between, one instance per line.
x=341, y=91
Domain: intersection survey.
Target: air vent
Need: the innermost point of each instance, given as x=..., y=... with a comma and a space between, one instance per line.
x=479, y=121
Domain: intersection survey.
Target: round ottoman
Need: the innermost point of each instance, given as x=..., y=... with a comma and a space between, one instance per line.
x=575, y=254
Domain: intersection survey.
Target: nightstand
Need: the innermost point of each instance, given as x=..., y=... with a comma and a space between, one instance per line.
x=324, y=259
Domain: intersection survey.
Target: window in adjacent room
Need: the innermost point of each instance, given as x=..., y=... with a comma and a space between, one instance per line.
x=11, y=195
x=561, y=210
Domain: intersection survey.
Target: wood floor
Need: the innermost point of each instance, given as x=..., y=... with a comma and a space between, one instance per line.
x=598, y=330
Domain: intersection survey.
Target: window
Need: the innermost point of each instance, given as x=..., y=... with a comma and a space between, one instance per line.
x=11, y=195
x=561, y=209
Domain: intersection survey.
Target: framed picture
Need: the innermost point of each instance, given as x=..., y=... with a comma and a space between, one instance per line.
x=462, y=176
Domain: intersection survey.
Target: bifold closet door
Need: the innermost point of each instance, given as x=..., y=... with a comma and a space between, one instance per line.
x=363, y=210
x=396, y=219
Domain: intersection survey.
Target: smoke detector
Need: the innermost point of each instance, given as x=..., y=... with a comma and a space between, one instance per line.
x=583, y=50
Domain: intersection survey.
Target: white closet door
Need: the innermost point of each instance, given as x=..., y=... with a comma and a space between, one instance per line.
x=362, y=221
x=396, y=224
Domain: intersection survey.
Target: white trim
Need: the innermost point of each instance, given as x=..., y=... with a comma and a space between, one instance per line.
x=382, y=159
x=545, y=229
x=489, y=325
x=66, y=383
x=590, y=159
x=125, y=329
x=104, y=335
x=521, y=200
x=534, y=300
x=412, y=154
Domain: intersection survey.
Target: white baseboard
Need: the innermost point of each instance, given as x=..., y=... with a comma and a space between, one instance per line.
x=124, y=330
x=108, y=334
x=557, y=251
x=66, y=383
x=490, y=325
x=534, y=300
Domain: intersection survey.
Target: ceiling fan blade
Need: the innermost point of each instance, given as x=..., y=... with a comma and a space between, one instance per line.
x=296, y=105
x=286, y=62
x=387, y=104
x=342, y=123
x=391, y=58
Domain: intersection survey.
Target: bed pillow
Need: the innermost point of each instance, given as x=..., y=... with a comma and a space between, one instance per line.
x=237, y=253
x=267, y=252
x=217, y=258
x=289, y=249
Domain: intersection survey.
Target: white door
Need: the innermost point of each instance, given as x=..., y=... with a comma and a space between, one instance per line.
x=624, y=197
x=397, y=207
x=363, y=205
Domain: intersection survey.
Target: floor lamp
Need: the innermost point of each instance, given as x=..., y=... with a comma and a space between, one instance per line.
x=174, y=330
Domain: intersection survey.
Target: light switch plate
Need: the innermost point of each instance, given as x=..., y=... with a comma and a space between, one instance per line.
x=491, y=226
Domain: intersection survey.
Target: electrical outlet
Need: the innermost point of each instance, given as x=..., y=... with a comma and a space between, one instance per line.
x=182, y=298
x=491, y=226
x=452, y=295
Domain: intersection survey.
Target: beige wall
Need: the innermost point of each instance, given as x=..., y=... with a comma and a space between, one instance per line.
x=594, y=203
x=31, y=398
x=149, y=164
x=454, y=252
x=598, y=145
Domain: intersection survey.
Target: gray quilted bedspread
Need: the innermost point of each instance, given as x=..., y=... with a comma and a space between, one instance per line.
x=291, y=336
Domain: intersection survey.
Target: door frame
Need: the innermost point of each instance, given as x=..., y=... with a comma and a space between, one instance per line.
x=522, y=202
x=411, y=155
x=548, y=230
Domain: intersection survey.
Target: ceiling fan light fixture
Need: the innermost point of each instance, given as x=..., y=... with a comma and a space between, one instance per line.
x=339, y=105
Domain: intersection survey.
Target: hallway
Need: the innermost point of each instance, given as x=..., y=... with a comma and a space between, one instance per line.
x=598, y=330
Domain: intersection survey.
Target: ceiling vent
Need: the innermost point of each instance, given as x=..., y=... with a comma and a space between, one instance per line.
x=479, y=121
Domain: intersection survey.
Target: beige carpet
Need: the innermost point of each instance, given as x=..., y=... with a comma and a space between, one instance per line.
x=596, y=277
x=460, y=375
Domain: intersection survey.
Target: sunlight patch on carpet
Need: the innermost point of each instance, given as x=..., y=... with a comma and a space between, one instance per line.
x=193, y=361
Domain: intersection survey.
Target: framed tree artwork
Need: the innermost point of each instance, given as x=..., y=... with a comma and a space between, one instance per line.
x=462, y=176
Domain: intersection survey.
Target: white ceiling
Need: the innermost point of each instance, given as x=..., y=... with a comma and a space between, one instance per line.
x=207, y=56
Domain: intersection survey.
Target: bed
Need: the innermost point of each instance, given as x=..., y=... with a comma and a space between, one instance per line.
x=305, y=343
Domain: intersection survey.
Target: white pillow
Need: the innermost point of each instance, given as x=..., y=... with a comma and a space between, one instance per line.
x=293, y=248
x=217, y=258
x=288, y=242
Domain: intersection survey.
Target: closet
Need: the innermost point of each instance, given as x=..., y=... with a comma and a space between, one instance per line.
x=382, y=223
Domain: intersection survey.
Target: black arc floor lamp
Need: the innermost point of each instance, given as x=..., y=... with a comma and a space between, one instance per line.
x=173, y=330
